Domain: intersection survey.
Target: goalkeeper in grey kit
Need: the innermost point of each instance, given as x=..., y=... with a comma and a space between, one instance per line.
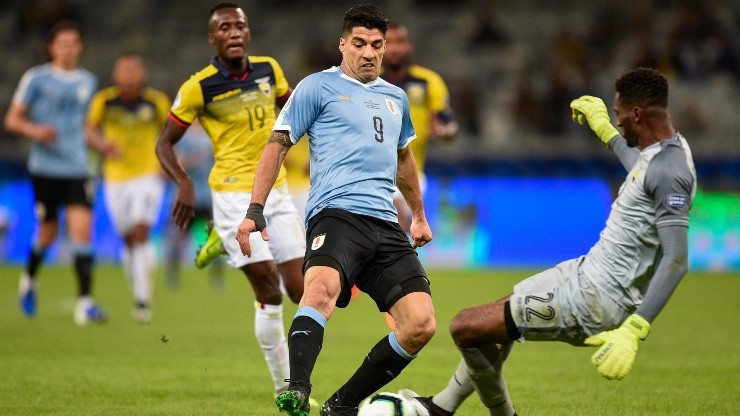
x=609, y=297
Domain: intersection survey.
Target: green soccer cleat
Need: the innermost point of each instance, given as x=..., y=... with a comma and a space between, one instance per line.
x=211, y=249
x=295, y=400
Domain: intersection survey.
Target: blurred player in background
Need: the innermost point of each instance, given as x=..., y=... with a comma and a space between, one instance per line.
x=609, y=297
x=429, y=104
x=195, y=154
x=122, y=124
x=359, y=129
x=234, y=98
x=49, y=107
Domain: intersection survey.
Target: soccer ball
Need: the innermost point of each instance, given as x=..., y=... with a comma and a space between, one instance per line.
x=386, y=404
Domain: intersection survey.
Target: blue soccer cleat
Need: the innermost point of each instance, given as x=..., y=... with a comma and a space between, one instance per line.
x=87, y=312
x=27, y=295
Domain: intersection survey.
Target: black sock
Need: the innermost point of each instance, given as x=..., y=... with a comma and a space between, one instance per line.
x=382, y=364
x=304, y=344
x=35, y=257
x=83, y=267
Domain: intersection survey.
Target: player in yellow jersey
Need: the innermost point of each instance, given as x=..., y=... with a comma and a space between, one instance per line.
x=122, y=124
x=235, y=100
x=429, y=103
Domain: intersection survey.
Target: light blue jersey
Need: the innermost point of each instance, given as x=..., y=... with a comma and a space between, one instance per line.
x=354, y=132
x=59, y=99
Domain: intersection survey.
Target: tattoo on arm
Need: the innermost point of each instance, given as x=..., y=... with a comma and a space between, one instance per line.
x=281, y=138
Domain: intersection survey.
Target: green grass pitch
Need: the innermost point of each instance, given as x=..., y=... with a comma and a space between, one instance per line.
x=199, y=355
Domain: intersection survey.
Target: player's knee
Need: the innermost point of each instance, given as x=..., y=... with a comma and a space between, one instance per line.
x=463, y=329
x=139, y=234
x=419, y=330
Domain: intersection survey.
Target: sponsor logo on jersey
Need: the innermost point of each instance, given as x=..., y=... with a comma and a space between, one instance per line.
x=371, y=104
x=227, y=94
x=318, y=241
x=345, y=97
x=676, y=200
x=391, y=106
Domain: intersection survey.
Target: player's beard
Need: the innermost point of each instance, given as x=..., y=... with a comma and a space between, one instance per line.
x=633, y=140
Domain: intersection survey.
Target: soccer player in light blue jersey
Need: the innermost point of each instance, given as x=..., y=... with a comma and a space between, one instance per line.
x=359, y=129
x=609, y=297
x=49, y=108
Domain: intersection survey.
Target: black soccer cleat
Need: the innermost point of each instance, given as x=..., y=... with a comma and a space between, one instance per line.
x=424, y=406
x=332, y=407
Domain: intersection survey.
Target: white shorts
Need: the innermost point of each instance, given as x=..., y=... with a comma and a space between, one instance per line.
x=284, y=226
x=136, y=201
x=561, y=304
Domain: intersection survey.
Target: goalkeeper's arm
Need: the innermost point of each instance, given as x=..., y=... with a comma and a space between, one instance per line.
x=671, y=269
x=592, y=110
x=618, y=347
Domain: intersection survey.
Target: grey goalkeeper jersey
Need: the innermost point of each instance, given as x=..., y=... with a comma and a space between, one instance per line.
x=658, y=191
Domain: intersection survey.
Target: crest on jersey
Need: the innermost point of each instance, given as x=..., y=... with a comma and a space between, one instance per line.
x=391, y=106
x=145, y=113
x=318, y=241
x=264, y=85
x=83, y=93
x=415, y=92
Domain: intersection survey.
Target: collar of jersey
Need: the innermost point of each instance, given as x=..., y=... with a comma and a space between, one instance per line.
x=349, y=78
x=225, y=71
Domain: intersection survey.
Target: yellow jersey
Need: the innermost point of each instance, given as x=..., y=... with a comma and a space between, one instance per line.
x=428, y=97
x=237, y=113
x=297, y=166
x=133, y=127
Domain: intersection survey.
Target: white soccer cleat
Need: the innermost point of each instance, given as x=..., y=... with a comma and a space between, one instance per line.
x=142, y=314
x=87, y=312
x=411, y=396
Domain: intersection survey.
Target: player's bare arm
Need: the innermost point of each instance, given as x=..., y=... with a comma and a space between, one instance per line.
x=268, y=168
x=16, y=122
x=407, y=181
x=96, y=141
x=183, y=210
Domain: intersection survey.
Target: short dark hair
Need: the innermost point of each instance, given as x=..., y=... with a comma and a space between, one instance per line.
x=62, y=26
x=365, y=15
x=644, y=87
x=223, y=5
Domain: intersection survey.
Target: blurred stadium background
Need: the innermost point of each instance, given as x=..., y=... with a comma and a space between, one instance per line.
x=522, y=186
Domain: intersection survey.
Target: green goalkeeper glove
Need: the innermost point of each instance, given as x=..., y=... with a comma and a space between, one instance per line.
x=593, y=110
x=618, y=347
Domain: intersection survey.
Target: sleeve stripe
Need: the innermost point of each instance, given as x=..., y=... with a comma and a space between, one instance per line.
x=672, y=222
x=178, y=121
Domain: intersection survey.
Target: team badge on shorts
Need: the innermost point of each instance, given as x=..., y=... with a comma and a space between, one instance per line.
x=318, y=241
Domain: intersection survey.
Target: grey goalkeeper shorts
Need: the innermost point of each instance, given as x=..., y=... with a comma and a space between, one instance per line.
x=561, y=304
